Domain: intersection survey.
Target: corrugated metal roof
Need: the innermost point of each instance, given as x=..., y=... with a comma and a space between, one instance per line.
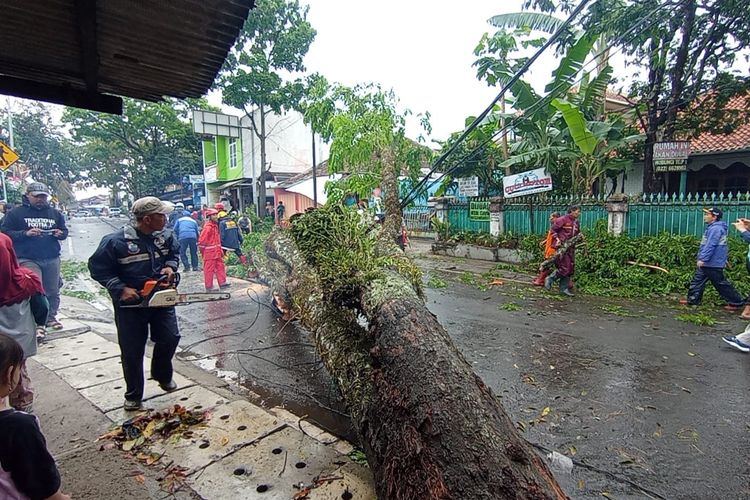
x=147, y=49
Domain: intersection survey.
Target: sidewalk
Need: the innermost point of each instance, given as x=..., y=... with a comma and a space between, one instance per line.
x=245, y=451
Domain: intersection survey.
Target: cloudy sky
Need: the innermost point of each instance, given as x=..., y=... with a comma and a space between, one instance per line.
x=421, y=49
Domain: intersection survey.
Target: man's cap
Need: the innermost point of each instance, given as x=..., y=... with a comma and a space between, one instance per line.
x=211, y=211
x=716, y=212
x=37, y=188
x=179, y=204
x=151, y=205
x=219, y=206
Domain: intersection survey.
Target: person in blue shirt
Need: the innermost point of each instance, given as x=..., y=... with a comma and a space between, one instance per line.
x=712, y=259
x=187, y=231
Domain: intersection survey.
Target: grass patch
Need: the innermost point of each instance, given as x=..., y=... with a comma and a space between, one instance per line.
x=700, y=319
x=79, y=294
x=358, y=456
x=617, y=310
x=70, y=269
x=436, y=282
x=511, y=306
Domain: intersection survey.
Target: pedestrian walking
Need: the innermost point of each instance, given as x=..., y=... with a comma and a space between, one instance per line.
x=187, y=232
x=270, y=212
x=37, y=230
x=712, y=259
x=209, y=244
x=280, y=211
x=245, y=224
x=549, y=250
x=563, y=229
x=27, y=469
x=179, y=207
x=122, y=263
x=231, y=237
x=17, y=287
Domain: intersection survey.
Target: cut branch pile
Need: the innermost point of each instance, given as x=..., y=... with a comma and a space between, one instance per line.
x=430, y=427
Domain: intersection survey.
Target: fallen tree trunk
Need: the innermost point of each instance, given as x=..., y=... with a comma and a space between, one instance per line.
x=431, y=429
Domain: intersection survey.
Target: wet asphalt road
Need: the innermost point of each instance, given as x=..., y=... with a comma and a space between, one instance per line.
x=619, y=385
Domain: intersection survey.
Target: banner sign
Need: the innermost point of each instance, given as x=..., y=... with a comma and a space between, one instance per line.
x=530, y=182
x=468, y=186
x=671, y=156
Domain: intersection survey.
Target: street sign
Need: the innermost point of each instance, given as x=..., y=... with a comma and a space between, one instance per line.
x=7, y=157
x=671, y=156
x=468, y=186
x=529, y=182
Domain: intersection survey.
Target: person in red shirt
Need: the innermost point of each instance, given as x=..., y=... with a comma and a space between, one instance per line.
x=209, y=244
x=563, y=229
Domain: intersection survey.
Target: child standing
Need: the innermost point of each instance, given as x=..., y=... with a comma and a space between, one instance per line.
x=209, y=244
x=27, y=470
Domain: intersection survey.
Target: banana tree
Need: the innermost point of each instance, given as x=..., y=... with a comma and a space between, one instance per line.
x=597, y=143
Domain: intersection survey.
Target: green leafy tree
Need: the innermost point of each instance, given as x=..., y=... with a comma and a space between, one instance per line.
x=688, y=50
x=149, y=147
x=42, y=146
x=368, y=141
x=258, y=75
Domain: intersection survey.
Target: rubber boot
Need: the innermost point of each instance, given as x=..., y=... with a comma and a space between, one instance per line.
x=565, y=286
x=539, y=280
x=549, y=280
x=243, y=259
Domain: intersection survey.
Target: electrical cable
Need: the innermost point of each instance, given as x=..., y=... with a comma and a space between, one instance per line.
x=543, y=101
x=508, y=85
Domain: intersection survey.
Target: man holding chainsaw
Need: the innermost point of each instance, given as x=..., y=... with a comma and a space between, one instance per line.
x=124, y=262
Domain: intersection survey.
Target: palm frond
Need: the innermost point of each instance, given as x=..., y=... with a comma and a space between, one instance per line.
x=536, y=21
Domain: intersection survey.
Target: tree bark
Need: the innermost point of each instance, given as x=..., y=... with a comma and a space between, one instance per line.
x=431, y=429
x=261, y=181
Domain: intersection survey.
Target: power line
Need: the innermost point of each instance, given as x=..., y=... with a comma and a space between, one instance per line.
x=543, y=101
x=501, y=94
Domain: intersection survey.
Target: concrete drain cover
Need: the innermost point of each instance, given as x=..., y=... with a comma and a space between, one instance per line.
x=109, y=395
x=76, y=350
x=231, y=426
x=268, y=469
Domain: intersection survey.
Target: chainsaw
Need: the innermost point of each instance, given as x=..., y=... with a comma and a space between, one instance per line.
x=163, y=293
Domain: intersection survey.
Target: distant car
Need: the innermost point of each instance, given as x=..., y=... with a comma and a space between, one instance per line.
x=115, y=212
x=82, y=213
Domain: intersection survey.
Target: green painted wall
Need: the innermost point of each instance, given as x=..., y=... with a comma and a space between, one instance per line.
x=209, y=153
x=219, y=155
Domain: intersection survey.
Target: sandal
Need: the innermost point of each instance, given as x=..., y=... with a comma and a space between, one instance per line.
x=41, y=334
x=54, y=324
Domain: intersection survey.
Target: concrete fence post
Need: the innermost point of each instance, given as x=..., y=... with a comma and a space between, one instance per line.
x=617, y=213
x=497, y=216
x=439, y=207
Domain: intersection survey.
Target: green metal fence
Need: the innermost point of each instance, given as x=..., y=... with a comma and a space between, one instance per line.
x=531, y=215
x=647, y=215
x=470, y=216
x=681, y=215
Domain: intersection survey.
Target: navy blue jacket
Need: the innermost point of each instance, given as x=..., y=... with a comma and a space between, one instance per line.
x=130, y=258
x=21, y=219
x=230, y=233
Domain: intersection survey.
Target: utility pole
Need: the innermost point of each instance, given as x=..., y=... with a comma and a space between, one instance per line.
x=314, y=174
x=12, y=145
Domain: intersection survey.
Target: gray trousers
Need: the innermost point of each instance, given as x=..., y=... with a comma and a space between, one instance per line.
x=48, y=271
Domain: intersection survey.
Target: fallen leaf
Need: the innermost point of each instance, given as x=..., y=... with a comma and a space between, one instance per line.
x=109, y=445
x=581, y=484
x=546, y=411
x=686, y=390
x=496, y=282
x=606, y=494
x=224, y=441
x=657, y=432
x=572, y=451
x=521, y=426
x=140, y=478
x=691, y=353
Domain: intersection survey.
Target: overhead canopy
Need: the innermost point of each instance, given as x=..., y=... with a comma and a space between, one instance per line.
x=83, y=53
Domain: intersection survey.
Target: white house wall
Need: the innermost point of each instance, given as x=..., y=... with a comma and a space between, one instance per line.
x=288, y=147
